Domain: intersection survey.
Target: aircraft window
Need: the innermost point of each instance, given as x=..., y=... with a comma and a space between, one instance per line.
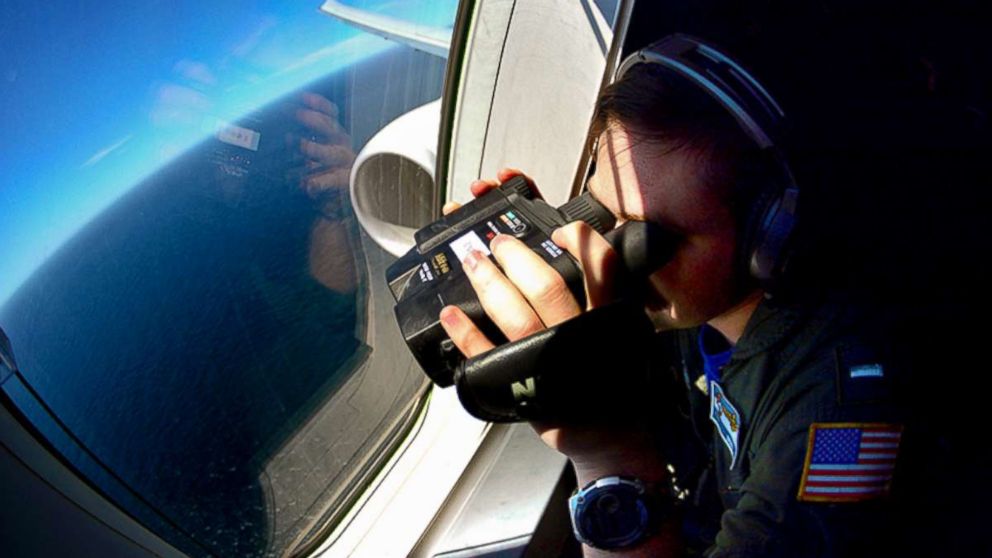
x=200, y=325
x=609, y=9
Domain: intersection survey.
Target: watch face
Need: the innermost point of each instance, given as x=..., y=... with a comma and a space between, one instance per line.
x=612, y=515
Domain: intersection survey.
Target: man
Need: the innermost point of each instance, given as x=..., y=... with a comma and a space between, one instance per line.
x=792, y=384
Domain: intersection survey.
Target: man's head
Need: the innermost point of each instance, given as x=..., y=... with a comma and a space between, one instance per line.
x=670, y=154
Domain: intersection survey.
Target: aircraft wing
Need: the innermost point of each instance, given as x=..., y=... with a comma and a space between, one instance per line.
x=432, y=40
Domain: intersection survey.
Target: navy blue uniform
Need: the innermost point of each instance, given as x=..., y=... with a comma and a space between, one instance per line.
x=801, y=437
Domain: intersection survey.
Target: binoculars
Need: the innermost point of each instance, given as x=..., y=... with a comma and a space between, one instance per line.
x=538, y=377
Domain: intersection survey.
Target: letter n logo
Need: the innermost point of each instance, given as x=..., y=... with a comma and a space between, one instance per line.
x=526, y=389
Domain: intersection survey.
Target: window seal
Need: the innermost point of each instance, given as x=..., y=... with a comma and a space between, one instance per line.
x=449, y=97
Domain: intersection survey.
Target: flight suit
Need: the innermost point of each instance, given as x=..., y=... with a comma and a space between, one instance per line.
x=801, y=372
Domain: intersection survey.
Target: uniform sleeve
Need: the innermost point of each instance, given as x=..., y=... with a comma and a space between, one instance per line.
x=769, y=519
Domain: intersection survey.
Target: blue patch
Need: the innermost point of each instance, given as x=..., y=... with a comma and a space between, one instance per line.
x=867, y=371
x=863, y=376
x=727, y=420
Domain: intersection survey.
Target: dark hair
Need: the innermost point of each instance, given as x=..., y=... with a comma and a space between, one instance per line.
x=657, y=105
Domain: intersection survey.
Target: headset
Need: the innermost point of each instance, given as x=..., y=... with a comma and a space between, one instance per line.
x=772, y=217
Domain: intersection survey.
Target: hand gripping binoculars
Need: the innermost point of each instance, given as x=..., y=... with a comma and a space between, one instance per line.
x=540, y=377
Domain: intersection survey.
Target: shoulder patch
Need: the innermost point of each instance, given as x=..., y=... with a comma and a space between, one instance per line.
x=861, y=377
x=727, y=420
x=849, y=462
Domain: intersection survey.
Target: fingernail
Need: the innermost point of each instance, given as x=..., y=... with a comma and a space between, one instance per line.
x=471, y=261
x=496, y=241
x=448, y=316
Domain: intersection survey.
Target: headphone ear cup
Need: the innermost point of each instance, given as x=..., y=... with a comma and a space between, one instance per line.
x=770, y=250
x=768, y=197
x=752, y=196
x=749, y=230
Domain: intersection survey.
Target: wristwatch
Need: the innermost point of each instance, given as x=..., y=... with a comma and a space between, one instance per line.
x=615, y=512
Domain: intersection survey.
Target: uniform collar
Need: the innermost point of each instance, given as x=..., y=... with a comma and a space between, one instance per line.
x=715, y=351
x=771, y=321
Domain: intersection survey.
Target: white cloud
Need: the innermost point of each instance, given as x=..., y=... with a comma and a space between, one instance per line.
x=99, y=155
x=248, y=44
x=178, y=105
x=344, y=52
x=195, y=71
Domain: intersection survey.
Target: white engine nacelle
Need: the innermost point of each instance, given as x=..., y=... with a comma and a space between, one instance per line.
x=392, y=180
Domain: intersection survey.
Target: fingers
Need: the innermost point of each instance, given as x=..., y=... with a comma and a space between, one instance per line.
x=596, y=257
x=320, y=103
x=331, y=155
x=463, y=332
x=543, y=287
x=529, y=296
x=324, y=125
x=333, y=179
x=503, y=303
x=481, y=187
x=507, y=173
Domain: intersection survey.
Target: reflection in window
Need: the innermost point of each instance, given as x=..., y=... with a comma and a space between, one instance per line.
x=190, y=297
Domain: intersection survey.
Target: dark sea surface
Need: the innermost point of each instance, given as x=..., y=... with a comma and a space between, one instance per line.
x=181, y=336
x=177, y=333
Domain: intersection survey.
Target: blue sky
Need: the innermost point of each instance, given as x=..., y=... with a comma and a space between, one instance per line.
x=95, y=98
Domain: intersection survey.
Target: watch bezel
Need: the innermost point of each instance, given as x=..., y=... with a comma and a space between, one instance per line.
x=586, y=507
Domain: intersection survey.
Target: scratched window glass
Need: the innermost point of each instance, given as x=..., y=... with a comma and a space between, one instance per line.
x=199, y=323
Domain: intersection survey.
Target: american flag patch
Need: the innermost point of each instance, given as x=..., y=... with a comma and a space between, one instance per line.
x=849, y=462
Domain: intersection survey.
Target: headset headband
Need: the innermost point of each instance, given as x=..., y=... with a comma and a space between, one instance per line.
x=725, y=80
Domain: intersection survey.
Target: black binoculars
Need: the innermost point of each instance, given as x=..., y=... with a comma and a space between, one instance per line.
x=532, y=378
